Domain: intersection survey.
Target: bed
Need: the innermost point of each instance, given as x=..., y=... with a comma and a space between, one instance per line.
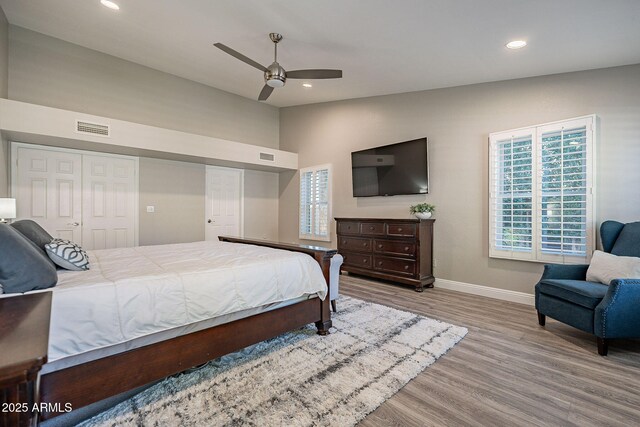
x=142, y=314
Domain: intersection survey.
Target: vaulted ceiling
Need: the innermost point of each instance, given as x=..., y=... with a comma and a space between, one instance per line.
x=383, y=46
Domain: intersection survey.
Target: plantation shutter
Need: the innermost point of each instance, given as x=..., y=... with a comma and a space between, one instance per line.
x=541, y=201
x=564, y=192
x=512, y=195
x=315, y=197
x=306, y=196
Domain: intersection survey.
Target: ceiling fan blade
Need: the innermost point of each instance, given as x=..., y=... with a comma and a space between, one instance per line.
x=240, y=56
x=265, y=92
x=314, y=74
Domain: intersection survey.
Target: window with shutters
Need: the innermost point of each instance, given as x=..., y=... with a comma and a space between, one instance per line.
x=542, y=192
x=315, y=203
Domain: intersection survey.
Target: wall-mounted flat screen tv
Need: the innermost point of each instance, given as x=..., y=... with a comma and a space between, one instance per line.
x=391, y=170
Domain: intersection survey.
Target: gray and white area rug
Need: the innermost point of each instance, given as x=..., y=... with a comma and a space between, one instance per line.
x=299, y=378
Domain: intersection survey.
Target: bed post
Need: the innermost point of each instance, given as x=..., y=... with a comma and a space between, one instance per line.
x=324, y=324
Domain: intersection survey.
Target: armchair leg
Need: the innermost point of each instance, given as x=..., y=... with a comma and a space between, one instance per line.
x=603, y=346
x=541, y=319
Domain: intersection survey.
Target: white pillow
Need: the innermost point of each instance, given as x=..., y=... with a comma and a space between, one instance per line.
x=605, y=267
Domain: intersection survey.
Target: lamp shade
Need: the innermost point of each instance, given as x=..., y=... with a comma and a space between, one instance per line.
x=7, y=208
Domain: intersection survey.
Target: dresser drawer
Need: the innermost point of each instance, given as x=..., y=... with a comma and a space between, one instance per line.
x=345, y=227
x=395, y=265
x=392, y=247
x=357, y=260
x=358, y=244
x=401, y=230
x=372, y=228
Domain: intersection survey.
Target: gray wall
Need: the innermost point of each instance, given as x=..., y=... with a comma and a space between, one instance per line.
x=261, y=205
x=4, y=55
x=176, y=190
x=4, y=84
x=48, y=71
x=457, y=122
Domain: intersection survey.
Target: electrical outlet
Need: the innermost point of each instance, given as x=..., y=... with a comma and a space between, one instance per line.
x=151, y=209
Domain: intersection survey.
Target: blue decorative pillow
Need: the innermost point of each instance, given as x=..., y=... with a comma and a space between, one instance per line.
x=23, y=267
x=67, y=255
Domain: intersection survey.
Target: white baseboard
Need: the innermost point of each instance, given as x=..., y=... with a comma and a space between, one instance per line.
x=486, y=291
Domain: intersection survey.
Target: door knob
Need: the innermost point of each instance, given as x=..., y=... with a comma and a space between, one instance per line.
x=209, y=221
x=74, y=224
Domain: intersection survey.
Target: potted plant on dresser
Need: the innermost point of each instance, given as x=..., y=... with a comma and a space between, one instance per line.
x=422, y=210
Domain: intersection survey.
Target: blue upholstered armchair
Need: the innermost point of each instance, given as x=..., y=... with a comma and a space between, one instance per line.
x=606, y=311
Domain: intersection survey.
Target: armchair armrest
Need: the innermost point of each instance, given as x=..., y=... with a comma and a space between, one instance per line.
x=565, y=271
x=617, y=315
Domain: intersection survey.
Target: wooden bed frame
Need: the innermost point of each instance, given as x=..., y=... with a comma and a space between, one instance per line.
x=93, y=381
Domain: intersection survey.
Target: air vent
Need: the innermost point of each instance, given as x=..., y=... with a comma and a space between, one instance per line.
x=92, y=128
x=267, y=156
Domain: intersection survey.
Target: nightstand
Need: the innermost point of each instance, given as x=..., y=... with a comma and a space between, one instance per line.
x=24, y=338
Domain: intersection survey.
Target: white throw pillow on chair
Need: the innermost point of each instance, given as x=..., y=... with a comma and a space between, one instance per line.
x=605, y=267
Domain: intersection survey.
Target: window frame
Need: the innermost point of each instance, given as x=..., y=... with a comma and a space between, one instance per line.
x=536, y=253
x=313, y=235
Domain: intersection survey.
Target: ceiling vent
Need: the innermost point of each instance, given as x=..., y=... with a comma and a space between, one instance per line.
x=267, y=156
x=92, y=128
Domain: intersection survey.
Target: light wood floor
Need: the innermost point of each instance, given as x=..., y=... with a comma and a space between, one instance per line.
x=507, y=371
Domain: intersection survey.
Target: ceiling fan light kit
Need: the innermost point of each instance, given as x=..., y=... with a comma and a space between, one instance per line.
x=275, y=75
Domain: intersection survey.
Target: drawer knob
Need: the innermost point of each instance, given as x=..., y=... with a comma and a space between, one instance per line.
x=406, y=267
x=379, y=262
x=344, y=242
x=371, y=227
x=365, y=244
x=365, y=260
x=400, y=229
x=406, y=248
x=380, y=246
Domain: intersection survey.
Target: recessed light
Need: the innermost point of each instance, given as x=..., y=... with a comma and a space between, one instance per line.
x=516, y=44
x=307, y=85
x=110, y=4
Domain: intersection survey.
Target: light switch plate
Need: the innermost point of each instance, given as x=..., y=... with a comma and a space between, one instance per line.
x=151, y=209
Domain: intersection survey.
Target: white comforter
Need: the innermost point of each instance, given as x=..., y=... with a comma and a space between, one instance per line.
x=132, y=292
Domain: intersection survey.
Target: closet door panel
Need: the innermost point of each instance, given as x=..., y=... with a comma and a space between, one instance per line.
x=109, y=201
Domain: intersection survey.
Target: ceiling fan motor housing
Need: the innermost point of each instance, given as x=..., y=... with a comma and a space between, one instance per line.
x=275, y=76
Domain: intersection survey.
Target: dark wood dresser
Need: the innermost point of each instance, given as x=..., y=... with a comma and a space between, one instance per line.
x=399, y=250
x=24, y=341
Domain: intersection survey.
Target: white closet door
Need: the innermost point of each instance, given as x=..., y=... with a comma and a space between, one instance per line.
x=109, y=202
x=48, y=190
x=224, y=214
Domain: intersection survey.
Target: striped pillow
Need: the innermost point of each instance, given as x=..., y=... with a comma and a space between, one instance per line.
x=67, y=255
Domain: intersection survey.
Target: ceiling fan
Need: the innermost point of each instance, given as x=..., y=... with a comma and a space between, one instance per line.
x=274, y=74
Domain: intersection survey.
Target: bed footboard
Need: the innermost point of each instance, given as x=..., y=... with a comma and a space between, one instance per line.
x=322, y=256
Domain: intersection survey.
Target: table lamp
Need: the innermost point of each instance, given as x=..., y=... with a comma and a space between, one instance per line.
x=7, y=209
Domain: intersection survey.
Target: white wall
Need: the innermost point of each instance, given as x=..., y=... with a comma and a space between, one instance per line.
x=457, y=122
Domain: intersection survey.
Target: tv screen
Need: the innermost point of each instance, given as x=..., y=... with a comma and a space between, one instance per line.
x=391, y=170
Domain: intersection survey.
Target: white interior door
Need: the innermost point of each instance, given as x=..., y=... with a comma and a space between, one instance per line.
x=48, y=190
x=224, y=204
x=90, y=199
x=109, y=202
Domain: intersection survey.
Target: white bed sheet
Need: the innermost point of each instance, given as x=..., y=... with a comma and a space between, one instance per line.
x=135, y=292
